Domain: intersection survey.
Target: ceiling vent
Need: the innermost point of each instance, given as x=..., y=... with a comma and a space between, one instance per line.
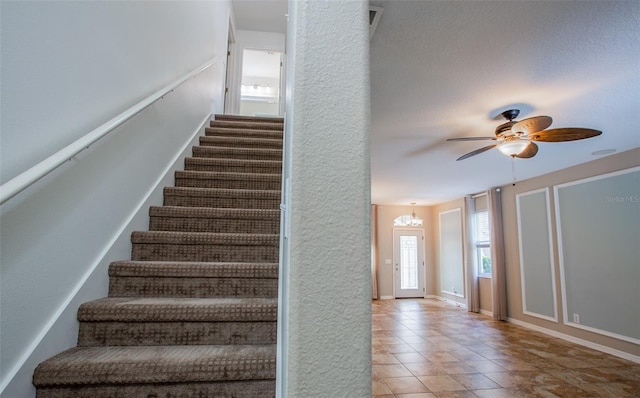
x=374, y=17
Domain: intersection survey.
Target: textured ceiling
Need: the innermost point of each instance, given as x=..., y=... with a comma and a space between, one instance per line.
x=443, y=69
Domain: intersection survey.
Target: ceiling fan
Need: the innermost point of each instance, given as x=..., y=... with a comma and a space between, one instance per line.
x=516, y=139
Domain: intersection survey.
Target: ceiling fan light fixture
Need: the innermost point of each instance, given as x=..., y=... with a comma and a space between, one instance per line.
x=513, y=147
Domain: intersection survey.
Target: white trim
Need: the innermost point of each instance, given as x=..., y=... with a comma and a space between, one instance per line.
x=544, y=190
x=598, y=177
x=565, y=317
x=46, y=166
x=446, y=300
x=452, y=293
x=486, y=312
x=541, y=316
x=576, y=340
x=602, y=332
x=387, y=297
x=45, y=330
x=450, y=211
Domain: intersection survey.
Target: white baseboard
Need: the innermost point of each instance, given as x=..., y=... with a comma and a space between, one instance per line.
x=386, y=297
x=447, y=300
x=576, y=340
x=486, y=312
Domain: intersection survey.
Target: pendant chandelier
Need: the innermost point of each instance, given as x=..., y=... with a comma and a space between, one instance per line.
x=408, y=220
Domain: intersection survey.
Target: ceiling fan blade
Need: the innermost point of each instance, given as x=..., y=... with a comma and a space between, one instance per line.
x=532, y=125
x=471, y=139
x=477, y=151
x=529, y=152
x=564, y=134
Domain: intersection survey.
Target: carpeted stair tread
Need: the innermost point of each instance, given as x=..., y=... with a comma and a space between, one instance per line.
x=223, y=198
x=187, y=269
x=216, y=179
x=204, y=246
x=190, y=332
x=244, y=133
x=213, y=213
x=156, y=309
x=189, y=280
x=219, y=220
x=225, y=193
x=157, y=364
x=265, y=119
x=243, y=124
x=241, y=142
x=237, y=153
x=233, y=165
x=203, y=238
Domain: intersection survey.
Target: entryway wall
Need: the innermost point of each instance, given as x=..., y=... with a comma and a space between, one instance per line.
x=386, y=214
x=430, y=215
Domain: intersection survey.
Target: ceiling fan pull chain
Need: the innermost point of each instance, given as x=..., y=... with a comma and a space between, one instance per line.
x=513, y=169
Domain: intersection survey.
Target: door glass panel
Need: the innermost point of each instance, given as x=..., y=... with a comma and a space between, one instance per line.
x=408, y=262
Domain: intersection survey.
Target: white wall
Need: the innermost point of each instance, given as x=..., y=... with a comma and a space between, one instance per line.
x=67, y=67
x=327, y=278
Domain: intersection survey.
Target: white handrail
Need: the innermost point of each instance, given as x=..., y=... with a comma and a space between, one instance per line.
x=19, y=183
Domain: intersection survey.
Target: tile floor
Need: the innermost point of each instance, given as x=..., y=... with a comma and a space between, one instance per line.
x=428, y=349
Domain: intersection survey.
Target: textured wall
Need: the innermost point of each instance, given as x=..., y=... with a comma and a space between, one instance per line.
x=329, y=298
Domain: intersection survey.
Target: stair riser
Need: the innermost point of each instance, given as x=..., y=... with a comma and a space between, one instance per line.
x=98, y=334
x=235, y=389
x=236, y=153
x=196, y=164
x=227, y=183
x=246, y=125
x=131, y=286
x=227, y=132
x=234, y=142
x=223, y=203
x=210, y=253
x=219, y=225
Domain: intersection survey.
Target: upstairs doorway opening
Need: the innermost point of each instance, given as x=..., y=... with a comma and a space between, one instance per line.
x=260, y=93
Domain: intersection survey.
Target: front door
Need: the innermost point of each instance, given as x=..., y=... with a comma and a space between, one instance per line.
x=408, y=253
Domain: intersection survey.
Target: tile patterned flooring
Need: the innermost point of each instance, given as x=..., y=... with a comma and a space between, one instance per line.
x=431, y=349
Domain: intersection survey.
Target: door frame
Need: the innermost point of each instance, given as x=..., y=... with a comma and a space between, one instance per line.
x=424, y=255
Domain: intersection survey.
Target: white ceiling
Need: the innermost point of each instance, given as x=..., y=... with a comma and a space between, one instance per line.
x=443, y=69
x=261, y=15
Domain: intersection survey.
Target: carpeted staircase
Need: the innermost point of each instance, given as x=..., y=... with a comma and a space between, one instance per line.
x=193, y=314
